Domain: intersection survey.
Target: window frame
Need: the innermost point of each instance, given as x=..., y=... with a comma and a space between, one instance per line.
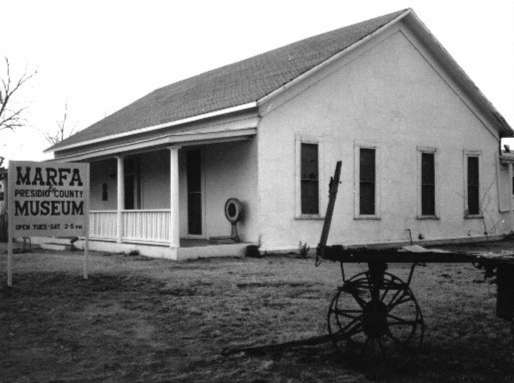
x=420, y=151
x=358, y=145
x=299, y=140
x=466, y=154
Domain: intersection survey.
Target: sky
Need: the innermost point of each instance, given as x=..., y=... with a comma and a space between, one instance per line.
x=98, y=56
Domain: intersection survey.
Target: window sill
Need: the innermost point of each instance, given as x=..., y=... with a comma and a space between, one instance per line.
x=427, y=217
x=367, y=218
x=309, y=217
x=473, y=216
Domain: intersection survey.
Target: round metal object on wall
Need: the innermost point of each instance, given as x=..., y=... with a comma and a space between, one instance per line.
x=233, y=210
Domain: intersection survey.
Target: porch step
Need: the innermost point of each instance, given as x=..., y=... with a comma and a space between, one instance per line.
x=56, y=246
x=59, y=243
x=62, y=240
x=222, y=240
x=212, y=251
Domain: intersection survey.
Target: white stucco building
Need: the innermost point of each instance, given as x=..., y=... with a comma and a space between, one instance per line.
x=420, y=147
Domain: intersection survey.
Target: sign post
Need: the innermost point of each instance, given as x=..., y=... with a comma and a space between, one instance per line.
x=86, y=252
x=9, y=255
x=47, y=199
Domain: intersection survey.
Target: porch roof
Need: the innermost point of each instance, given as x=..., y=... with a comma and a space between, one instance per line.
x=236, y=128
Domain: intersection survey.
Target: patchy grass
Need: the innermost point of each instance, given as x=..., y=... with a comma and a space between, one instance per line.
x=137, y=319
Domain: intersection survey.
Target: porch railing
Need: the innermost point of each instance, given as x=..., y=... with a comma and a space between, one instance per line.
x=146, y=225
x=149, y=225
x=103, y=224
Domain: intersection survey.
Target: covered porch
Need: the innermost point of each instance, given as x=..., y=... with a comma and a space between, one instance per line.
x=169, y=201
x=160, y=190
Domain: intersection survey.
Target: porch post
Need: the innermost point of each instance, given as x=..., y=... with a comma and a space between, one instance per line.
x=511, y=213
x=174, y=198
x=121, y=195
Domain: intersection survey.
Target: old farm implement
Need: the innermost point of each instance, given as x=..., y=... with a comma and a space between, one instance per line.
x=376, y=309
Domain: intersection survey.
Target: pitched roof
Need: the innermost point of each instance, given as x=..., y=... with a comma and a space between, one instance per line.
x=231, y=85
x=248, y=81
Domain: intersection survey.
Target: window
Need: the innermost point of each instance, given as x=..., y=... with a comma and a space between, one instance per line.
x=427, y=184
x=309, y=181
x=105, y=194
x=473, y=185
x=366, y=181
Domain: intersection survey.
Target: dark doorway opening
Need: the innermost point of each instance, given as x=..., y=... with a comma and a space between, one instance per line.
x=194, y=192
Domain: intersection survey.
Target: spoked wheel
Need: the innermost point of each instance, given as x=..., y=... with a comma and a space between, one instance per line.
x=371, y=314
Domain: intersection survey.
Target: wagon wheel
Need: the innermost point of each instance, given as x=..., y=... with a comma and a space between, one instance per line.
x=373, y=317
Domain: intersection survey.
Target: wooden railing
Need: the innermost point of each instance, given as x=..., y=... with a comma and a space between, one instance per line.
x=149, y=225
x=103, y=224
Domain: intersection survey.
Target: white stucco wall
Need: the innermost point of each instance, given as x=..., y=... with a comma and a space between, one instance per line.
x=155, y=179
x=103, y=172
x=389, y=95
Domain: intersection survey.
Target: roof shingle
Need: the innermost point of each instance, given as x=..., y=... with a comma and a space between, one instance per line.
x=231, y=85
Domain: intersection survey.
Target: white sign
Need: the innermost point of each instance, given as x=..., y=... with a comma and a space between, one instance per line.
x=48, y=199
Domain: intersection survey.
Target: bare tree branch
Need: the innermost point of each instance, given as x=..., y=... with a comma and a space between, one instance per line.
x=11, y=118
x=62, y=130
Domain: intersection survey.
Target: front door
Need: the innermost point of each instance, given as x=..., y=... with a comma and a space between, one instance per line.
x=194, y=192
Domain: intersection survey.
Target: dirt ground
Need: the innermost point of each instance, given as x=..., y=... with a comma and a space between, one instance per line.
x=139, y=319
